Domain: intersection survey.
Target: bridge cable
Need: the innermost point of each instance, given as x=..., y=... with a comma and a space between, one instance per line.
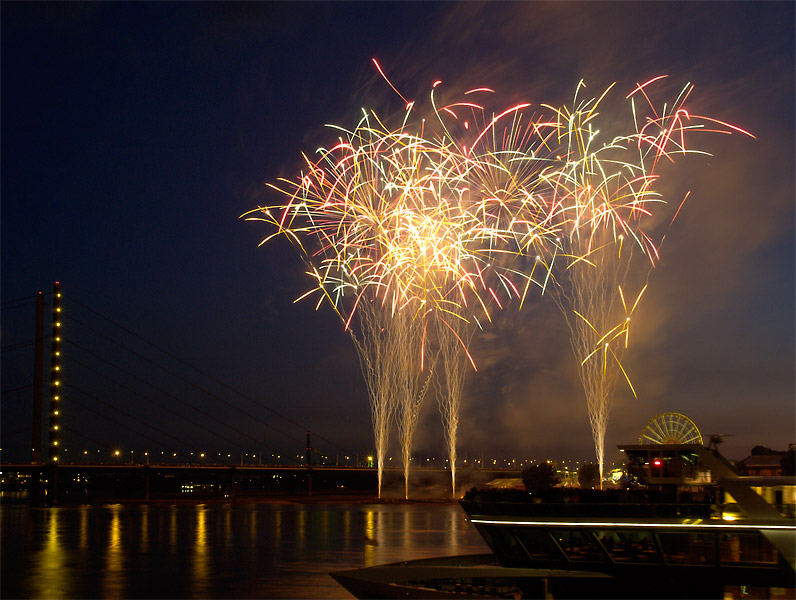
x=188, y=381
x=210, y=377
x=16, y=303
x=17, y=389
x=179, y=377
x=125, y=413
x=166, y=393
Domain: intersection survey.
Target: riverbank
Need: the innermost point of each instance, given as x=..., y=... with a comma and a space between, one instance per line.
x=317, y=499
x=275, y=500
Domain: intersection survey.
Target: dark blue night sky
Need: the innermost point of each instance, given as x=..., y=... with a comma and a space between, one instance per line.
x=134, y=135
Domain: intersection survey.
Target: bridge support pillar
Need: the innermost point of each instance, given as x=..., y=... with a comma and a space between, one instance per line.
x=36, y=491
x=52, y=484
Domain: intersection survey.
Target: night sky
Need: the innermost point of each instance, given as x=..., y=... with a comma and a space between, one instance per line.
x=134, y=136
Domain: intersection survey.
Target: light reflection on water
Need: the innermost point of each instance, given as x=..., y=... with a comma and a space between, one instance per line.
x=201, y=569
x=144, y=529
x=215, y=550
x=114, y=575
x=49, y=562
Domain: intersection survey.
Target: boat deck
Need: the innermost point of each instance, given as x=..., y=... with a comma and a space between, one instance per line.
x=467, y=576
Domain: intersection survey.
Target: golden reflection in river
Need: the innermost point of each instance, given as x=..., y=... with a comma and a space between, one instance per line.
x=387, y=544
x=200, y=572
x=144, y=529
x=426, y=531
x=347, y=530
x=385, y=524
x=301, y=531
x=50, y=576
x=276, y=546
x=370, y=538
x=453, y=533
x=181, y=550
x=253, y=539
x=227, y=527
x=325, y=527
x=408, y=541
x=173, y=529
x=114, y=580
x=83, y=540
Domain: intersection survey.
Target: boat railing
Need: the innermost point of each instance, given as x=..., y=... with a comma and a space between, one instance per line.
x=591, y=509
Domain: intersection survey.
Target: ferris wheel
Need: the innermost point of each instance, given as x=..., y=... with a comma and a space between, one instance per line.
x=670, y=428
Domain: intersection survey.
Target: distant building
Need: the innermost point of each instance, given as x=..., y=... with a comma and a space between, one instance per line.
x=762, y=465
x=765, y=462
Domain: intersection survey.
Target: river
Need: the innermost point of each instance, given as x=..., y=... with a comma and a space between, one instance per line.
x=240, y=550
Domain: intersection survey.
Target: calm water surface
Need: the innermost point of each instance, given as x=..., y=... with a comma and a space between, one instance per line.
x=215, y=550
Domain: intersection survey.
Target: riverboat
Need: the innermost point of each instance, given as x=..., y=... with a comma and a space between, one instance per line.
x=690, y=528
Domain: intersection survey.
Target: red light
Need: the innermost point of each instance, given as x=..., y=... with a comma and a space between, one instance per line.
x=657, y=462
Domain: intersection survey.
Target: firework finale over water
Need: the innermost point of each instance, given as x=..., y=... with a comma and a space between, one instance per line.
x=404, y=227
x=135, y=136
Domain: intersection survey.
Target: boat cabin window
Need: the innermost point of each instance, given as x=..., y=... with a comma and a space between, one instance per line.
x=689, y=548
x=747, y=548
x=579, y=546
x=504, y=544
x=538, y=544
x=629, y=546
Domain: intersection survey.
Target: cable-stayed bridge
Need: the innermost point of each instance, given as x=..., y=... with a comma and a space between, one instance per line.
x=87, y=388
x=89, y=396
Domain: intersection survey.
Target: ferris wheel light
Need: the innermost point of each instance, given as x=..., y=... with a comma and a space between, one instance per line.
x=670, y=428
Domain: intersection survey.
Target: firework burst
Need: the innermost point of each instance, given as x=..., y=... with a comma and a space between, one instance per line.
x=435, y=223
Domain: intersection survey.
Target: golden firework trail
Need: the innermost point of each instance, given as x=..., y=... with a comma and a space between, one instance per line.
x=453, y=218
